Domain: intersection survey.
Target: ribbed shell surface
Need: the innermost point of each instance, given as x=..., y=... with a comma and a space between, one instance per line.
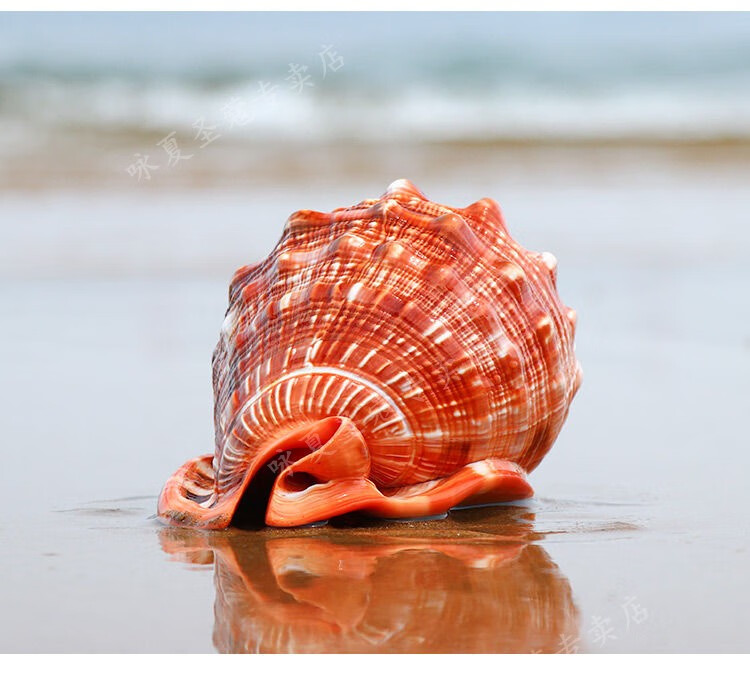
x=428, y=327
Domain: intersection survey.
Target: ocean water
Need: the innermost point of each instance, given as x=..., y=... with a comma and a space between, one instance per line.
x=376, y=77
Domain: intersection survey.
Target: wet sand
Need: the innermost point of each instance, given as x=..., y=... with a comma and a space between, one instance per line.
x=637, y=539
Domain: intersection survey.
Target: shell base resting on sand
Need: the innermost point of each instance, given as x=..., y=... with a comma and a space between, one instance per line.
x=398, y=357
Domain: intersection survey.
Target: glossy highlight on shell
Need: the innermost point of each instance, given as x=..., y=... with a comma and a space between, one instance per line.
x=398, y=357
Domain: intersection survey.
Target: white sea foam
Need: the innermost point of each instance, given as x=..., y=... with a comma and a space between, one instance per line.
x=425, y=79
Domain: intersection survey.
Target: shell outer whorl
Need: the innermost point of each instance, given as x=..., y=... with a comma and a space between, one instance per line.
x=441, y=338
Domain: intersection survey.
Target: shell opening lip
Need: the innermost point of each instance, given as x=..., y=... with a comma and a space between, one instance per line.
x=246, y=503
x=261, y=477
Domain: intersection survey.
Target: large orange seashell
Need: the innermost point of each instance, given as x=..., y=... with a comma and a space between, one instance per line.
x=398, y=357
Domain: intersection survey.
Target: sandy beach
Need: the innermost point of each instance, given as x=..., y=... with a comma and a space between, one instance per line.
x=606, y=141
x=639, y=517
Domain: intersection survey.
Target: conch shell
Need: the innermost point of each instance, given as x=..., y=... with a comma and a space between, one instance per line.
x=398, y=357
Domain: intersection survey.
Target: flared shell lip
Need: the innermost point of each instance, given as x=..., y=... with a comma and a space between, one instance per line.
x=176, y=508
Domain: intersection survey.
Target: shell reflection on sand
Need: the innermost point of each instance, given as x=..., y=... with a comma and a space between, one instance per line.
x=439, y=587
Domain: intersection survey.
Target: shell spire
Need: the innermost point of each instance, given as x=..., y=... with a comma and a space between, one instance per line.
x=398, y=357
